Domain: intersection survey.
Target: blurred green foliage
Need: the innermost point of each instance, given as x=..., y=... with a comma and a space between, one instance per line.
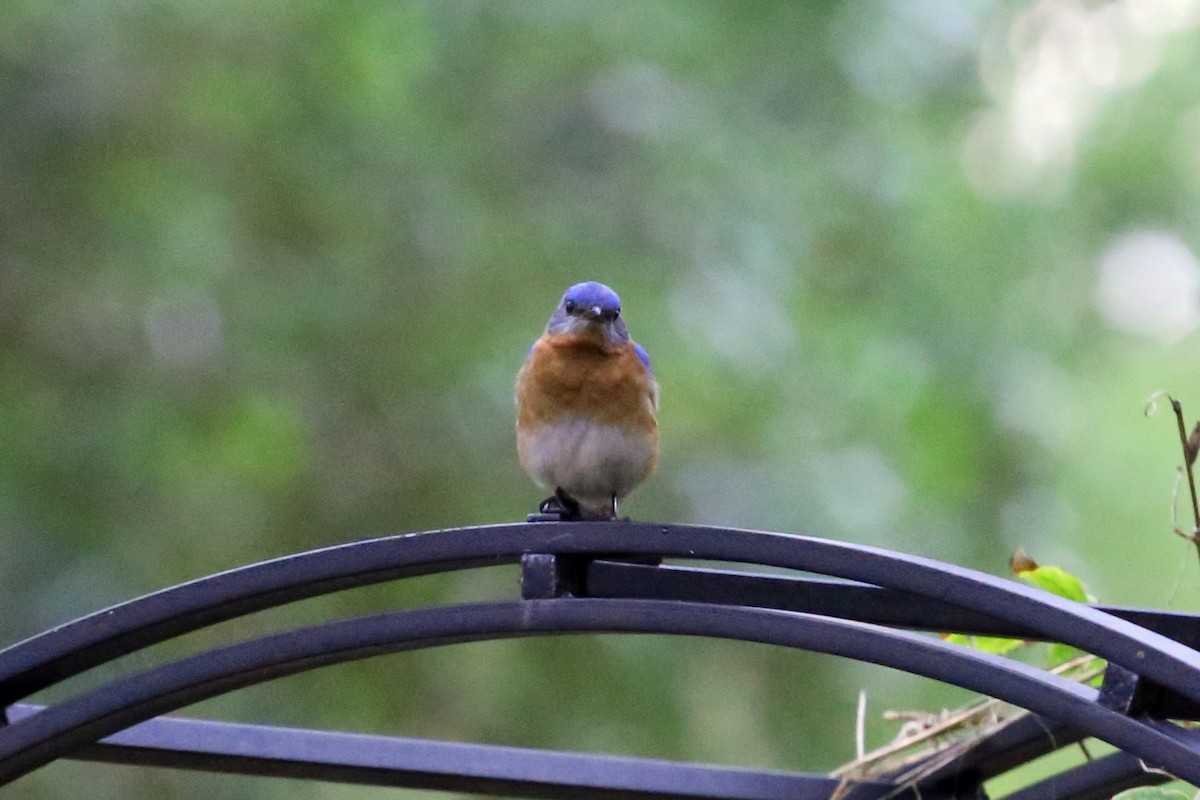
x=268, y=269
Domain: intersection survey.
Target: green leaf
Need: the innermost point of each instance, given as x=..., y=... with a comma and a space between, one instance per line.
x=988, y=644
x=1152, y=793
x=1060, y=654
x=1057, y=581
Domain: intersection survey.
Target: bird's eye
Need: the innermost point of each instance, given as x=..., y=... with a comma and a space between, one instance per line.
x=569, y=306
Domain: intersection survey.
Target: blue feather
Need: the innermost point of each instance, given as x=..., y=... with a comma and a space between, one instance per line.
x=644, y=357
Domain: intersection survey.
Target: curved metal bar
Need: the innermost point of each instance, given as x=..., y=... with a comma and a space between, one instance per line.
x=45, y=659
x=1099, y=779
x=74, y=647
x=372, y=760
x=1018, y=742
x=835, y=597
x=36, y=740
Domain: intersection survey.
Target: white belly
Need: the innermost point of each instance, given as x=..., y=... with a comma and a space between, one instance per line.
x=589, y=460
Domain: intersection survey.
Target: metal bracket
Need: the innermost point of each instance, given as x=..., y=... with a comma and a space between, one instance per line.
x=1133, y=695
x=545, y=576
x=1122, y=690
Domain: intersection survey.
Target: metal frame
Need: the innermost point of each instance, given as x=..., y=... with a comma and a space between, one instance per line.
x=603, y=577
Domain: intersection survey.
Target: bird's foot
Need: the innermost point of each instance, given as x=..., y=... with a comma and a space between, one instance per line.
x=562, y=507
x=559, y=507
x=569, y=506
x=615, y=515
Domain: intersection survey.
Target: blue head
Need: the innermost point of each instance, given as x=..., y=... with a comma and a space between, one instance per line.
x=590, y=307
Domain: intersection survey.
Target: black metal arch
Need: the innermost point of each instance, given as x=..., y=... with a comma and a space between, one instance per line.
x=116, y=706
x=65, y=651
x=578, y=558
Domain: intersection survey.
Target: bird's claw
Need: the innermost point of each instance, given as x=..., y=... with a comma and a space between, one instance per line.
x=558, y=507
x=561, y=507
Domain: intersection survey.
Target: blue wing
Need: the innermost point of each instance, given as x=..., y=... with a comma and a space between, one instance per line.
x=644, y=357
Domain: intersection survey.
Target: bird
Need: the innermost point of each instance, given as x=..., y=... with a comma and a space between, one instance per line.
x=587, y=404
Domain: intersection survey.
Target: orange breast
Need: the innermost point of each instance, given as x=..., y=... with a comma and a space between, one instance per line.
x=577, y=375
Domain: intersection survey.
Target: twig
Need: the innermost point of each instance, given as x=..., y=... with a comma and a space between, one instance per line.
x=1154, y=770
x=953, y=722
x=860, y=726
x=973, y=721
x=1189, y=457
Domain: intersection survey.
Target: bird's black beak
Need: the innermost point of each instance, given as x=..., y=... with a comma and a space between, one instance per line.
x=598, y=314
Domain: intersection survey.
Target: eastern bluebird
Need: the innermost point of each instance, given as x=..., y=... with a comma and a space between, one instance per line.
x=586, y=403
